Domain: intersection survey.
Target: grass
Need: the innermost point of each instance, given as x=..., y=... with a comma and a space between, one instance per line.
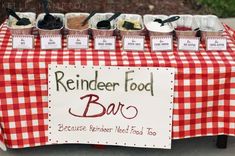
x=221, y=8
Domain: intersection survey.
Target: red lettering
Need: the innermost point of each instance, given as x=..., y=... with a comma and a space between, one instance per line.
x=111, y=108
x=90, y=101
x=129, y=112
x=135, y=109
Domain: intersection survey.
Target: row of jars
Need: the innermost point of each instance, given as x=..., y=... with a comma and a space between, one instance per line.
x=124, y=24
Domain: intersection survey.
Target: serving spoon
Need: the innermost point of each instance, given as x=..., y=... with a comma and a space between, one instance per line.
x=168, y=20
x=87, y=19
x=105, y=24
x=129, y=26
x=48, y=16
x=20, y=21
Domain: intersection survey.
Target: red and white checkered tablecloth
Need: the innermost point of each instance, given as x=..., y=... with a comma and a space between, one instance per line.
x=204, y=102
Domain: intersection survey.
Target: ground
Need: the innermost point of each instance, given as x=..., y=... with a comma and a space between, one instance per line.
x=203, y=146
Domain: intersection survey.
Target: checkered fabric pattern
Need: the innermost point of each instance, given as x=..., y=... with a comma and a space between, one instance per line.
x=204, y=101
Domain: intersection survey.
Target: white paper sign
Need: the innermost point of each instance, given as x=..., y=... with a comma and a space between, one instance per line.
x=51, y=42
x=105, y=43
x=124, y=106
x=77, y=42
x=188, y=43
x=133, y=43
x=22, y=41
x=161, y=43
x=216, y=44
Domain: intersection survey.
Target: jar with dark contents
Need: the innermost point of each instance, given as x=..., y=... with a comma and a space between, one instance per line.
x=50, y=25
x=54, y=23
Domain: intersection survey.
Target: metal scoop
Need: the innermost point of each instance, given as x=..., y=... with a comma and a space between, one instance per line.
x=171, y=19
x=21, y=21
x=105, y=24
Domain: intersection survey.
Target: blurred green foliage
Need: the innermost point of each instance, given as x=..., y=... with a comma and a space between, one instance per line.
x=222, y=8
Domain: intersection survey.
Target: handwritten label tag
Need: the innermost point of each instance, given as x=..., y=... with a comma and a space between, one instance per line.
x=105, y=43
x=77, y=42
x=216, y=43
x=22, y=41
x=188, y=43
x=133, y=43
x=161, y=43
x=51, y=42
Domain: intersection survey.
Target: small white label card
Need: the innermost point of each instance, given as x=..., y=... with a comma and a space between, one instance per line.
x=77, y=42
x=161, y=43
x=51, y=42
x=216, y=43
x=188, y=43
x=133, y=43
x=105, y=43
x=22, y=41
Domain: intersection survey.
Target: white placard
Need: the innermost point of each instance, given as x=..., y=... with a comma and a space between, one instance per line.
x=51, y=42
x=22, y=41
x=133, y=43
x=105, y=43
x=216, y=43
x=77, y=42
x=161, y=43
x=188, y=43
x=124, y=106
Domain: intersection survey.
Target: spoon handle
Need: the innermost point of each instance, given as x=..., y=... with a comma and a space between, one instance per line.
x=114, y=16
x=45, y=6
x=91, y=14
x=171, y=19
x=12, y=13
